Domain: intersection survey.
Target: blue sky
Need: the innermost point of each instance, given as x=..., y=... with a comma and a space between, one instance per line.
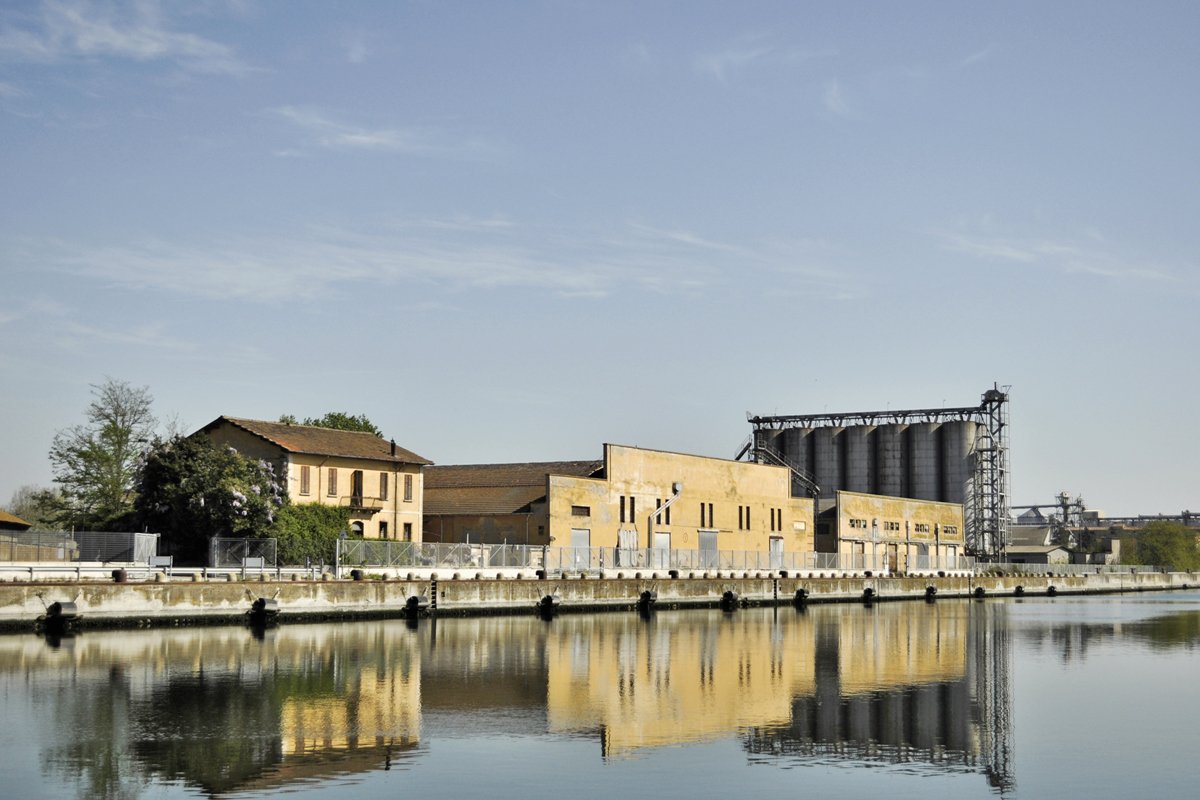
x=515, y=231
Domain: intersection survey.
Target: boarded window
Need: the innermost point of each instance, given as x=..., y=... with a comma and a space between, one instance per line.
x=332, y=482
x=408, y=488
x=305, y=480
x=581, y=511
x=383, y=486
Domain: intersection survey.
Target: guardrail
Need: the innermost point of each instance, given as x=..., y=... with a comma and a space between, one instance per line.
x=983, y=568
x=366, y=554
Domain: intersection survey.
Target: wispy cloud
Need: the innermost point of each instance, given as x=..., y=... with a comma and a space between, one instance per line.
x=978, y=56
x=63, y=30
x=454, y=255
x=748, y=50
x=835, y=98
x=742, y=52
x=327, y=132
x=8, y=90
x=1065, y=255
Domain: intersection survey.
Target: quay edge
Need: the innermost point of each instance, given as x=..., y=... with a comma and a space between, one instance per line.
x=104, y=605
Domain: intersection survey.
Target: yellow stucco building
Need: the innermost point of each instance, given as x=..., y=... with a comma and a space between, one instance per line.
x=378, y=481
x=633, y=498
x=899, y=532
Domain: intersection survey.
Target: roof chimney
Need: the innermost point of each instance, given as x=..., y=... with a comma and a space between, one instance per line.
x=393, y=448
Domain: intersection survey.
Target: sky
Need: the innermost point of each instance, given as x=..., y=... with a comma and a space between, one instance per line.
x=516, y=231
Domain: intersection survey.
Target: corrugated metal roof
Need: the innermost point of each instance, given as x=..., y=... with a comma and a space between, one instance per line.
x=483, y=500
x=322, y=441
x=469, y=489
x=527, y=474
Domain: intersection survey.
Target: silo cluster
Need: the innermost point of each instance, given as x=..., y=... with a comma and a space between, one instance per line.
x=924, y=461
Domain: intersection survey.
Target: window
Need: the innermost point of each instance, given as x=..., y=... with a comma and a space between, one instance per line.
x=921, y=527
x=383, y=530
x=950, y=530
x=356, y=485
x=668, y=515
x=408, y=531
x=541, y=531
x=356, y=528
x=632, y=510
x=408, y=488
x=740, y=509
x=622, y=508
x=891, y=526
x=332, y=482
x=581, y=511
x=305, y=480
x=658, y=509
x=860, y=524
x=710, y=522
x=772, y=518
x=383, y=486
x=747, y=517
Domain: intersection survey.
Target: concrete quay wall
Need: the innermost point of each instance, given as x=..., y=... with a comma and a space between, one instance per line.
x=179, y=603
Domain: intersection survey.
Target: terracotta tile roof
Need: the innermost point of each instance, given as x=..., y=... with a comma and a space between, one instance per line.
x=10, y=522
x=494, y=488
x=322, y=441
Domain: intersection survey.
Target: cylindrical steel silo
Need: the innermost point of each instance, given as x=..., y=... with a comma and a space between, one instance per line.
x=924, y=461
x=828, y=459
x=797, y=448
x=859, y=458
x=957, y=471
x=891, y=460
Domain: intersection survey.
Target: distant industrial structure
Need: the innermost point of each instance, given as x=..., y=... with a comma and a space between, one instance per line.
x=951, y=455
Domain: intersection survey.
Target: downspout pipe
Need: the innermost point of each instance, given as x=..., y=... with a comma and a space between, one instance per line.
x=677, y=488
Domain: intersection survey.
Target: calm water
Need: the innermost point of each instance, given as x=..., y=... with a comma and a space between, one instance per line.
x=1033, y=698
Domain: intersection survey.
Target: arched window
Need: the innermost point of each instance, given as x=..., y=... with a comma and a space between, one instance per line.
x=356, y=528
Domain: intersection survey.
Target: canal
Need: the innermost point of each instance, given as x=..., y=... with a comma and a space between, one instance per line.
x=1049, y=697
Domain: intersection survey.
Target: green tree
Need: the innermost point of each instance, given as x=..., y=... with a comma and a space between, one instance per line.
x=35, y=505
x=337, y=421
x=189, y=489
x=1166, y=544
x=96, y=463
x=309, y=530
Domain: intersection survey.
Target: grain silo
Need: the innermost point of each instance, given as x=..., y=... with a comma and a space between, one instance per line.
x=955, y=455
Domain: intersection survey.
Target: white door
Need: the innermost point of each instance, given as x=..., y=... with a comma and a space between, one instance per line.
x=709, y=557
x=581, y=544
x=776, y=552
x=662, y=550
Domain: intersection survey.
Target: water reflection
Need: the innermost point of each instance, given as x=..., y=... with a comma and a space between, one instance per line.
x=923, y=687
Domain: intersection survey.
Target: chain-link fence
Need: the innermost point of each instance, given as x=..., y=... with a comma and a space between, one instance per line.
x=242, y=553
x=78, y=546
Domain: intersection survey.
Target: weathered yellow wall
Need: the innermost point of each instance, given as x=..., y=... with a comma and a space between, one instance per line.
x=394, y=511
x=647, y=475
x=944, y=521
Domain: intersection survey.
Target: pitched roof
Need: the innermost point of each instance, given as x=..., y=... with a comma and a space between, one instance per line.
x=528, y=474
x=11, y=522
x=494, y=488
x=1034, y=548
x=1028, y=536
x=322, y=441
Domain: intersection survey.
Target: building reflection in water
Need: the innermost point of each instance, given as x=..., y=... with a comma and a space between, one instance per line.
x=925, y=687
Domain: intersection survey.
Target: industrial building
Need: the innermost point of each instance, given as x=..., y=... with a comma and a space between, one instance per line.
x=946, y=455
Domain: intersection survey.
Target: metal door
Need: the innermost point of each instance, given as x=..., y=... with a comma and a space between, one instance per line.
x=662, y=550
x=776, y=552
x=581, y=548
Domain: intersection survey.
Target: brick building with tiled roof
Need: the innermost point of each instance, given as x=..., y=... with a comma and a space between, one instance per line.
x=378, y=480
